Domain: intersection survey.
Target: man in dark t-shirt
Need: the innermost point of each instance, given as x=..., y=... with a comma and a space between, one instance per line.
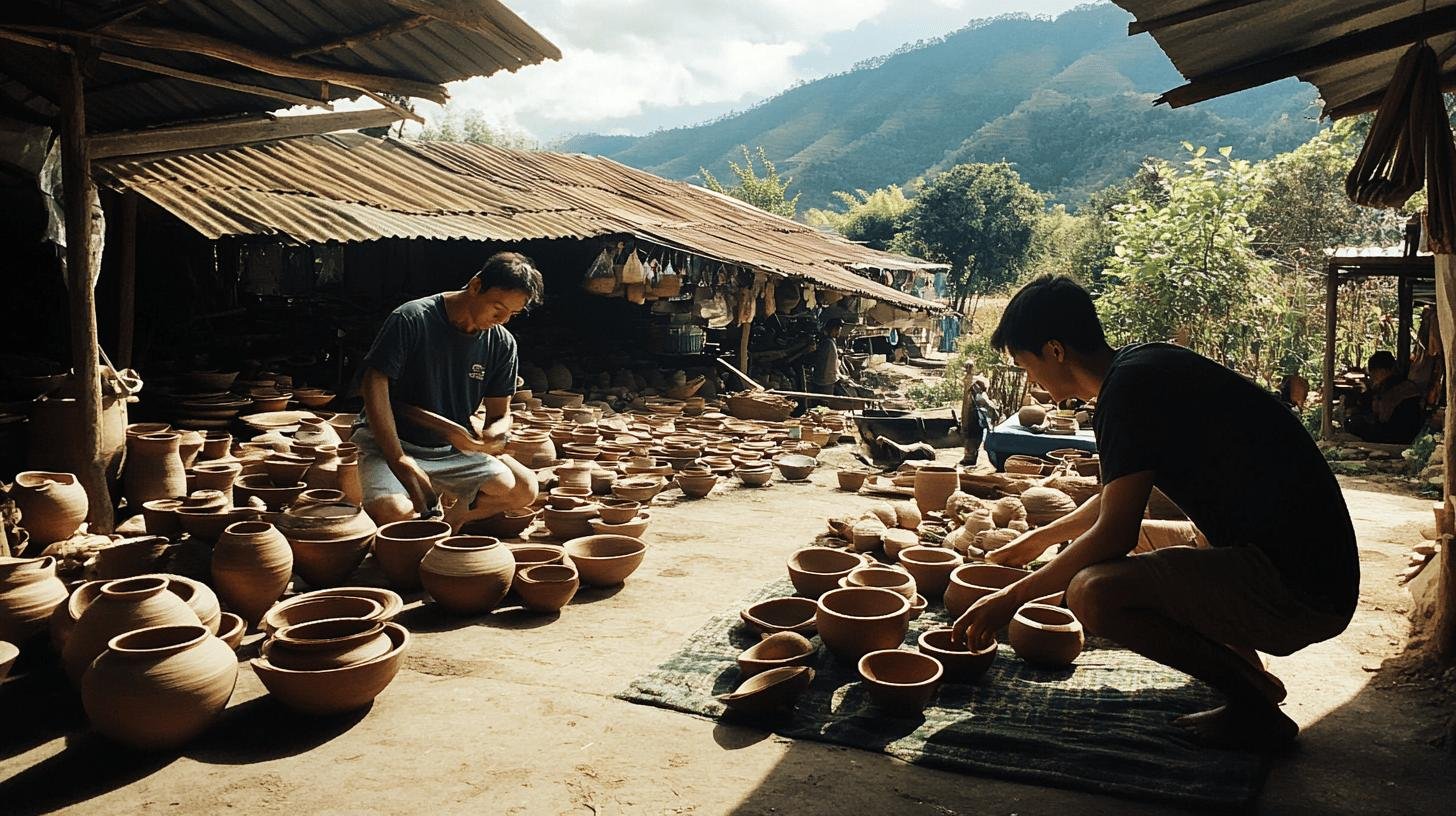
x=1281, y=571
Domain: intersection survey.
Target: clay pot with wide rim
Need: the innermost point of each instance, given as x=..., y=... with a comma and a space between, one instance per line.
x=895, y=580
x=795, y=467
x=572, y=523
x=696, y=485
x=816, y=570
x=119, y=607
x=531, y=555
x=754, y=476
x=158, y=687
x=160, y=516
x=770, y=692
x=218, y=476
x=331, y=643
x=776, y=651
x=52, y=505
x=962, y=663
x=857, y=620
x=399, y=546
x=547, y=587
x=1046, y=636
x=303, y=610
x=899, y=681
x=29, y=593
x=468, y=575
x=790, y=614
x=933, y=485
x=328, y=540
x=605, y=560
x=231, y=628
x=971, y=582
x=274, y=496
x=931, y=567
x=852, y=480
x=153, y=468
x=251, y=566
x=334, y=691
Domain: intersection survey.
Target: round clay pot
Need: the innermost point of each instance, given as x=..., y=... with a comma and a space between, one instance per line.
x=510, y=524
x=791, y=614
x=770, y=692
x=696, y=486
x=275, y=496
x=962, y=663
x=29, y=593
x=933, y=485
x=328, y=540
x=528, y=445
x=530, y=555
x=857, y=620
x=230, y=630
x=572, y=523
x=897, y=581
x=931, y=567
x=575, y=474
x=816, y=570
x=216, y=445
x=900, y=681
x=754, y=476
x=334, y=691
x=852, y=480
x=399, y=546
x=618, y=511
x=131, y=557
x=605, y=560
x=776, y=651
x=156, y=688
x=547, y=587
x=121, y=606
x=251, y=565
x=971, y=582
x=1046, y=636
x=160, y=516
x=331, y=643
x=468, y=575
x=153, y=468
x=304, y=610
x=52, y=505
x=795, y=467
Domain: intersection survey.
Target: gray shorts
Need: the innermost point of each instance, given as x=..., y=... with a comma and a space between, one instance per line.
x=450, y=471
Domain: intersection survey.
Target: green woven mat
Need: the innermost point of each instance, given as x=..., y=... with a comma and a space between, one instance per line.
x=1103, y=726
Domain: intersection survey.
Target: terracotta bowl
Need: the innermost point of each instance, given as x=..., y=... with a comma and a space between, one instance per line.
x=962, y=663
x=900, y=681
x=334, y=691
x=1046, y=636
x=314, y=398
x=605, y=560
x=285, y=471
x=305, y=610
x=275, y=496
x=634, y=528
x=618, y=511
x=816, y=570
x=510, y=524
x=918, y=605
x=971, y=582
x=770, y=692
x=696, y=487
x=852, y=480
x=776, y=651
x=931, y=567
x=858, y=620
x=754, y=477
x=796, y=467
x=531, y=555
x=791, y=614
x=884, y=577
x=571, y=523
x=329, y=563
x=231, y=629
x=208, y=525
x=638, y=489
x=547, y=587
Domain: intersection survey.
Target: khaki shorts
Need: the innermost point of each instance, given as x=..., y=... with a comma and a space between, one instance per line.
x=1235, y=596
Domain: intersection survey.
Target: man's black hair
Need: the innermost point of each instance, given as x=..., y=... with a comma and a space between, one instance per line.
x=833, y=323
x=1051, y=307
x=515, y=272
x=1383, y=360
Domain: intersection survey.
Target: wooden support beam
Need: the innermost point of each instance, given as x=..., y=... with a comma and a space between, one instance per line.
x=745, y=331
x=1187, y=15
x=1405, y=301
x=126, y=228
x=205, y=79
x=390, y=104
x=1332, y=52
x=1327, y=388
x=124, y=14
x=1372, y=100
x=358, y=38
x=1444, y=622
x=222, y=134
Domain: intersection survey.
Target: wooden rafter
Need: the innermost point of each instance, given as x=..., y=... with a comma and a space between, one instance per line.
x=1371, y=101
x=1187, y=15
x=124, y=14
x=221, y=134
x=351, y=40
x=206, y=79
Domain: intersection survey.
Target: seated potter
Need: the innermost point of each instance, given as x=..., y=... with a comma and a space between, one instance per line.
x=436, y=363
x=1280, y=570
x=1391, y=411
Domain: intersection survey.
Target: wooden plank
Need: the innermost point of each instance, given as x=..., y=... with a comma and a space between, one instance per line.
x=1444, y=622
x=205, y=79
x=1371, y=101
x=390, y=104
x=491, y=18
x=1187, y=15
x=357, y=38
x=126, y=228
x=221, y=134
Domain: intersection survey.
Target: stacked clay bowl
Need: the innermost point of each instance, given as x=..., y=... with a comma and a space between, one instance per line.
x=339, y=664
x=370, y=603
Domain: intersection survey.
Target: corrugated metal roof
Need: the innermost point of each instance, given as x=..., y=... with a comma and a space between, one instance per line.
x=348, y=187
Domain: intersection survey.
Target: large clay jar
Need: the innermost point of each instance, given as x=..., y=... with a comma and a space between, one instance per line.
x=468, y=575
x=52, y=505
x=153, y=468
x=332, y=643
x=399, y=546
x=328, y=540
x=855, y=621
x=1046, y=636
x=931, y=567
x=156, y=688
x=546, y=587
x=971, y=582
x=933, y=485
x=121, y=606
x=251, y=565
x=29, y=593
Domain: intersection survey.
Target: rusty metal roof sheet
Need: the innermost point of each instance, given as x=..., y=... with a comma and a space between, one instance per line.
x=349, y=187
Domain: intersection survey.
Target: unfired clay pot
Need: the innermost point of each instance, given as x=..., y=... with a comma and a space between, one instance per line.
x=776, y=651
x=29, y=593
x=962, y=663
x=530, y=555
x=328, y=540
x=696, y=486
x=900, y=681
x=858, y=620
x=334, y=691
x=898, y=581
x=468, y=575
x=933, y=485
x=332, y=643
x=547, y=587
x=852, y=480
x=52, y=505
x=618, y=511
x=931, y=567
x=971, y=582
x=121, y=606
x=605, y=560
x=251, y=565
x=304, y=610
x=816, y=570
x=1046, y=636
x=399, y=546
x=153, y=468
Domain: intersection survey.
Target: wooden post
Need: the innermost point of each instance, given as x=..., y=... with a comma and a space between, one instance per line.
x=85, y=346
x=745, y=330
x=1444, y=620
x=126, y=291
x=1327, y=389
x=1405, y=297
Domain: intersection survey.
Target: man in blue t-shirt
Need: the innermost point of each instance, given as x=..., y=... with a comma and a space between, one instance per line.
x=437, y=389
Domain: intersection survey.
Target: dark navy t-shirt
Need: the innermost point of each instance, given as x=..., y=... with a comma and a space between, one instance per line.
x=435, y=366
x=1235, y=460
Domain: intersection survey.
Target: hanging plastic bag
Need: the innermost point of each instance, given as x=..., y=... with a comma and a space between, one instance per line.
x=632, y=271
x=668, y=284
x=601, y=279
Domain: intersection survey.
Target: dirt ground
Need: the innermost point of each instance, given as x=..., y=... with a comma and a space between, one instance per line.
x=514, y=714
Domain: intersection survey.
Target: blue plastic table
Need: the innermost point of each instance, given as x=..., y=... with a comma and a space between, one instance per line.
x=1011, y=437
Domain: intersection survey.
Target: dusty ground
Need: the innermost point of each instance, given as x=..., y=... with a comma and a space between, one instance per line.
x=515, y=714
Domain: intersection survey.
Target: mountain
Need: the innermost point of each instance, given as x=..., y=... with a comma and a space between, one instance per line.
x=1068, y=101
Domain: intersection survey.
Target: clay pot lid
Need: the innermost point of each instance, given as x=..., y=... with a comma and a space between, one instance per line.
x=900, y=668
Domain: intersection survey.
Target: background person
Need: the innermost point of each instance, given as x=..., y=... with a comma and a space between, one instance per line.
x=1391, y=410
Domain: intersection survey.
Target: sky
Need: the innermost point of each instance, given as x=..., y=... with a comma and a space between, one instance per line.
x=633, y=66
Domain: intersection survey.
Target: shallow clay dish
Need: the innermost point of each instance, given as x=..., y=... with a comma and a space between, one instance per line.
x=618, y=511
x=900, y=681
x=769, y=692
x=776, y=651
x=605, y=560
x=792, y=614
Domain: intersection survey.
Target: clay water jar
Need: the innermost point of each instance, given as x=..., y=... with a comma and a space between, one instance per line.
x=618, y=511
x=770, y=692
x=230, y=629
x=900, y=681
x=605, y=560
x=791, y=614
x=898, y=581
x=795, y=467
x=29, y=593
x=971, y=582
x=119, y=607
x=304, y=610
x=852, y=480
x=572, y=523
x=858, y=620
x=931, y=567
x=638, y=489
x=216, y=445
x=547, y=587
x=962, y=663
x=335, y=691
x=468, y=575
x=251, y=566
x=399, y=547
x=274, y=496
x=130, y=557
x=1046, y=636
x=696, y=485
x=52, y=505
x=776, y=651
x=332, y=643
x=933, y=485
x=153, y=468
x=816, y=570
x=158, y=687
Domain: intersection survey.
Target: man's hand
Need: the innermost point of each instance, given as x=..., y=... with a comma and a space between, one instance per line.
x=979, y=624
x=1021, y=550
x=416, y=483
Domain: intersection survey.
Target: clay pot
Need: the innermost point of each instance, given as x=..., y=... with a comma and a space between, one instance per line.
x=274, y=496
x=858, y=620
x=217, y=476
x=547, y=587
x=209, y=524
x=791, y=614
x=230, y=630
x=153, y=469
x=634, y=528
x=752, y=476
x=332, y=643
x=971, y=582
x=468, y=575
x=900, y=681
x=776, y=651
x=796, y=467
x=121, y=606
x=399, y=546
x=328, y=540
x=9, y=653
x=303, y=610
x=638, y=488
x=52, y=505
x=334, y=691
x=574, y=474
x=141, y=428
x=816, y=570
x=531, y=555
x=933, y=485
x=770, y=692
x=189, y=445
x=286, y=470
x=1046, y=636
x=896, y=541
x=897, y=581
x=315, y=431
x=1045, y=505
x=131, y=557
x=696, y=486
x=605, y=560
x=962, y=663
x=852, y=480
x=510, y=524
x=158, y=687
x=251, y=565
x=320, y=495
x=29, y=593
x=931, y=567
x=160, y=516
x=602, y=481
x=572, y=523
x=618, y=511
x=216, y=445
x=529, y=445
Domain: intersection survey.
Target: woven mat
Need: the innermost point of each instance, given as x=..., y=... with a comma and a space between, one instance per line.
x=1103, y=726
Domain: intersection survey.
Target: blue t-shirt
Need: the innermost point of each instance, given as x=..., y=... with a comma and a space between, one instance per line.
x=435, y=366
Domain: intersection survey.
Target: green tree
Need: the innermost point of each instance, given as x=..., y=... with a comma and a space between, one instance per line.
x=471, y=125
x=979, y=219
x=767, y=192
x=872, y=219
